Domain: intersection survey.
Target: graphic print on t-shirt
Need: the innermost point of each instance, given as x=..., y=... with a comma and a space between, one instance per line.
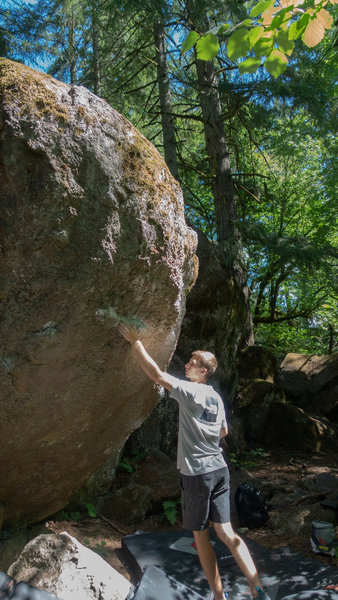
x=210, y=412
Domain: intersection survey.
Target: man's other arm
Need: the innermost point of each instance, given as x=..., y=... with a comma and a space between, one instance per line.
x=223, y=433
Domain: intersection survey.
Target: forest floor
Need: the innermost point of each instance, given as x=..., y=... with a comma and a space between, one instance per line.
x=278, y=468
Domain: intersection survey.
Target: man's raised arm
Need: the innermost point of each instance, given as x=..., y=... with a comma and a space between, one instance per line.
x=148, y=365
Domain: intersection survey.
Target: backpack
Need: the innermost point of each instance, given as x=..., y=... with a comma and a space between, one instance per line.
x=323, y=538
x=250, y=505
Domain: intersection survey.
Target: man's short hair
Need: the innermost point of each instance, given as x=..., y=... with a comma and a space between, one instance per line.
x=207, y=360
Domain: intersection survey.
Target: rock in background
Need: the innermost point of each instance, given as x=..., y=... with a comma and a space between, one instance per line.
x=311, y=382
x=292, y=408
x=92, y=232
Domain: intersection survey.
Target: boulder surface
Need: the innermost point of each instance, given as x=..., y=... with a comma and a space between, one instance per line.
x=92, y=232
x=311, y=382
x=59, y=564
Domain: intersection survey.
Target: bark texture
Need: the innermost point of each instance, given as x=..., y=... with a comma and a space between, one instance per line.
x=168, y=125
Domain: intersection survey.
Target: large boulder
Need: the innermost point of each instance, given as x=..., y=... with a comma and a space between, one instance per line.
x=92, y=232
x=59, y=564
x=311, y=382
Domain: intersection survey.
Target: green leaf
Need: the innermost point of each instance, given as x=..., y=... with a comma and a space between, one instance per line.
x=261, y=7
x=297, y=29
x=189, y=41
x=263, y=46
x=170, y=510
x=276, y=63
x=219, y=29
x=280, y=17
x=238, y=44
x=207, y=47
x=125, y=465
x=293, y=33
x=246, y=23
x=283, y=42
x=250, y=65
x=91, y=510
x=75, y=515
x=254, y=34
x=223, y=28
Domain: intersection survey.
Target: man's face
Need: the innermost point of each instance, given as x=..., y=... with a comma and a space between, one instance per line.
x=194, y=371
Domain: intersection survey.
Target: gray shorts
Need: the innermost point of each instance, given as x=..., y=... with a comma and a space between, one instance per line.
x=205, y=498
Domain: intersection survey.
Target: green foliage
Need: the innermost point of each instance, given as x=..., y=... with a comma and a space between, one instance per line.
x=269, y=33
x=74, y=515
x=259, y=8
x=288, y=226
x=299, y=336
x=92, y=510
x=250, y=65
x=99, y=547
x=125, y=465
x=171, y=510
x=279, y=132
x=129, y=463
x=276, y=63
x=262, y=47
x=65, y=515
x=238, y=43
x=207, y=47
x=284, y=43
x=190, y=41
x=245, y=460
x=254, y=35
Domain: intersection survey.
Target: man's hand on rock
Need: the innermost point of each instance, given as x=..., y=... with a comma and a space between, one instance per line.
x=128, y=332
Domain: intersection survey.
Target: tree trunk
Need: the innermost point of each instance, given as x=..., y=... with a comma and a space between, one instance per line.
x=222, y=184
x=96, y=52
x=168, y=127
x=71, y=48
x=218, y=153
x=331, y=339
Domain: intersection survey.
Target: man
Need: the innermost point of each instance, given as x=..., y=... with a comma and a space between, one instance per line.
x=204, y=474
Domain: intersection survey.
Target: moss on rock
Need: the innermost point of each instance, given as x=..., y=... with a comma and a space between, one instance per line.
x=28, y=88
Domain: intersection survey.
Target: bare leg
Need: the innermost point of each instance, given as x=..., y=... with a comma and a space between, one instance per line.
x=208, y=562
x=241, y=554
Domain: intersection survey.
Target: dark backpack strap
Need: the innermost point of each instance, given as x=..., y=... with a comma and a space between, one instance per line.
x=236, y=496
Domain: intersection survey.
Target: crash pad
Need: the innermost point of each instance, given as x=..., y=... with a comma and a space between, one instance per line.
x=160, y=549
x=283, y=571
x=155, y=585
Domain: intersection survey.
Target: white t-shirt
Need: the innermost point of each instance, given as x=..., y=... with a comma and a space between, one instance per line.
x=201, y=418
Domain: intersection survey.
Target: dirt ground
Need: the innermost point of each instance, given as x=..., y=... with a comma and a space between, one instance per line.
x=280, y=469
